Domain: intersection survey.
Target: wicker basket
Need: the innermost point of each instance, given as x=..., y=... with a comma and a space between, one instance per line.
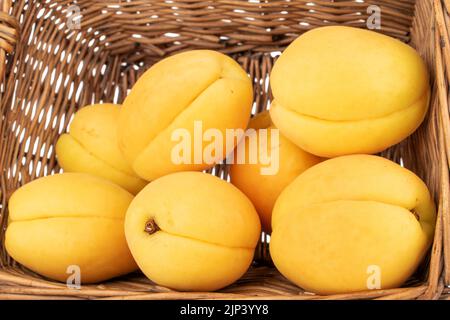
x=48, y=71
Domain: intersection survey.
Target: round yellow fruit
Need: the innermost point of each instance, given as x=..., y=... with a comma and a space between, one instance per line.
x=92, y=147
x=192, y=231
x=67, y=223
x=352, y=223
x=278, y=162
x=341, y=90
x=174, y=103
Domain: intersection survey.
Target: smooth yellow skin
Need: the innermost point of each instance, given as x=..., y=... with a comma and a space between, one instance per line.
x=70, y=219
x=92, y=147
x=346, y=214
x=362, y=97
x=198, y=85
x=263, y=190
x=208, y=231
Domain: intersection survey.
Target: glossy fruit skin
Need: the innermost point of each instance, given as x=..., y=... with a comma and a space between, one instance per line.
x=170, y=98
x=92, y=146
x=70, y=219
x=345, y=215
x=262, y=188
x=341, y=90
x=205, y=231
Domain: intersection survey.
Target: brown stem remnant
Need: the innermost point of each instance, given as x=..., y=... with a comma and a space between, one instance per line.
x=415, y=214
x=151, y=227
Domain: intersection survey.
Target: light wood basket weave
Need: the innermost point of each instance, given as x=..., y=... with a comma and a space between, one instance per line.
x=48, y=71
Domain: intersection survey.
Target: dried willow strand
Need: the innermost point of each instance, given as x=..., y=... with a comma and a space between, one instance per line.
x=116, y=59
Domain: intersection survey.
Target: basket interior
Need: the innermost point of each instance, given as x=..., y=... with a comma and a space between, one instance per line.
x=56, y=70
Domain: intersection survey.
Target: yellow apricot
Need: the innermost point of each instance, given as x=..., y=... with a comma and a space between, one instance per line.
x=341, y=90
x=285, y=160
x=170, y=98
x=92, y=147
x=352, y=223
x=66, y=220
x=192, y=231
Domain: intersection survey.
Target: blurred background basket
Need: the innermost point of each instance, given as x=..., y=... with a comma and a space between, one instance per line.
x=59, y=55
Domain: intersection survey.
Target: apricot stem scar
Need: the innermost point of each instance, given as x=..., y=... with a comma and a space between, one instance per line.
x=151, y=227
x=415, y=215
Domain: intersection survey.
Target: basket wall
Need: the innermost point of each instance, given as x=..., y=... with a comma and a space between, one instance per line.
x=49, y=71
x=442, y=66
